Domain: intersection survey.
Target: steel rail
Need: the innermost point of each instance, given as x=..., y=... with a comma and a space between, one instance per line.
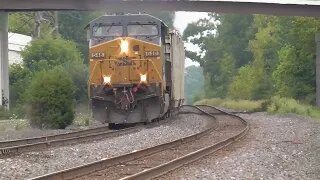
x=19, y=142
x=176, y=163
x=105, y=163
x=64, y=141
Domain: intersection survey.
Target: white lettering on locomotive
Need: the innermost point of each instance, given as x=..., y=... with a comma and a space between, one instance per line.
x=97, y=55
x=151, y=53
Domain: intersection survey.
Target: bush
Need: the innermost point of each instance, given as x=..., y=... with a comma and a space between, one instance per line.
x=288, y=105
x=49, y=99
x=48, y=52
x=4, y=114
x=19, y=80
x=197, y=96
x=79, y=75
x=244, y=105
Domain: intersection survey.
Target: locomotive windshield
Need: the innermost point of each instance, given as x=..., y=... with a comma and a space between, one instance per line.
x=142, y=30
x=107, y=30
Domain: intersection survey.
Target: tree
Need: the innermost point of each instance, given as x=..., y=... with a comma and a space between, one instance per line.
x=33, y=24
x=254, y=80
x=50, y=99
x=47, y=52
x=223, y=40
x=22, y=22
x=19, y=80
x=193, y=82
x=72, y=27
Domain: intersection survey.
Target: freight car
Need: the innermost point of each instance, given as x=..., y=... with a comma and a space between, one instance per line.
x=136, y=69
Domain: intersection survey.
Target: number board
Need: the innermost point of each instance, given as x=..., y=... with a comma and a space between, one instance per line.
x=97, y=55
x=152, y=53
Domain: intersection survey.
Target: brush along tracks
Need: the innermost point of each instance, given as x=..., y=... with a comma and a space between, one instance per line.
x=40, y=143
x=158, y=160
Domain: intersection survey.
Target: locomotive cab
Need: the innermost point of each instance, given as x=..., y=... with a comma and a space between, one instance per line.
x=130, y=71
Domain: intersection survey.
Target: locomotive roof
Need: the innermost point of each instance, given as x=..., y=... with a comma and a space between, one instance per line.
x=125, y=19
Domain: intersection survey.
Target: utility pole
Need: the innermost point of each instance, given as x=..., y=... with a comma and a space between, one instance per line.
x=4, y=60
x=317, y=38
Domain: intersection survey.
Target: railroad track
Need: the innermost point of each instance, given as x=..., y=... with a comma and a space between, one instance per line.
x=43, y=142
x=158, y=160
x=19, y=142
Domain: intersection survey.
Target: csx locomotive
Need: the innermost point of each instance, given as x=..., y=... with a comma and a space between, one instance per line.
x=136, y=69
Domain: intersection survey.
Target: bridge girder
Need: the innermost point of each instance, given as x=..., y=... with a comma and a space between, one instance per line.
x=170, y=5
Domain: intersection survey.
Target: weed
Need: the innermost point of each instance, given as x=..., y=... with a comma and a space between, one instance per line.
x=287, y=105
x=244, y=105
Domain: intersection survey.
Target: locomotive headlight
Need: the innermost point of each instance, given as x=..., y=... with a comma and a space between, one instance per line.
x=143, y=77
x=106, y=79
x=124, y=46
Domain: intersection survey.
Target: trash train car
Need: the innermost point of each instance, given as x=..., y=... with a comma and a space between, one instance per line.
x=136, y=69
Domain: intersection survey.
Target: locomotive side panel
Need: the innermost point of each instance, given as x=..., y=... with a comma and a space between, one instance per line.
x=178, y=60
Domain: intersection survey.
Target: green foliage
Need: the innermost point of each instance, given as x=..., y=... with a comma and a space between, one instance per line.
x=193, y=82
x=72, y=27
x=256, y=57
x=48, y=52
x=243, y=84
x=19, y=124
x=22, y=22
x=197, y=96
x=35, y=24
x=19, y=80
x=50, y=99
x=225, y=48
x=288, y=105
x=82, y=120
x=4, y=114
x=244, y=105
x=79, y=75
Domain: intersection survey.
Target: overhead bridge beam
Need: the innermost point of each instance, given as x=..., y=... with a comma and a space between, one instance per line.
x=226, y=6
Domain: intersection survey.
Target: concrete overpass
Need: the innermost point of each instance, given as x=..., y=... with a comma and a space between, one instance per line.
x=285, y=7
x=272, y=7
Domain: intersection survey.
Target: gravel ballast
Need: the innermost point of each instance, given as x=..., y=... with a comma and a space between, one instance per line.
x=33, y=164
x=276, y=147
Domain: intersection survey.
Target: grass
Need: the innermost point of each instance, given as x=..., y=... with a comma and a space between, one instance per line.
x=82, y=119
x=243, y=105
x=287, y=105
x=276, y=105
x=4, y=114
x=16, y=124
x=10, y=121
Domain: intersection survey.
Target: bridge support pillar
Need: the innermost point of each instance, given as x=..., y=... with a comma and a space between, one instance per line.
x=4, y=60
x=317, y=38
